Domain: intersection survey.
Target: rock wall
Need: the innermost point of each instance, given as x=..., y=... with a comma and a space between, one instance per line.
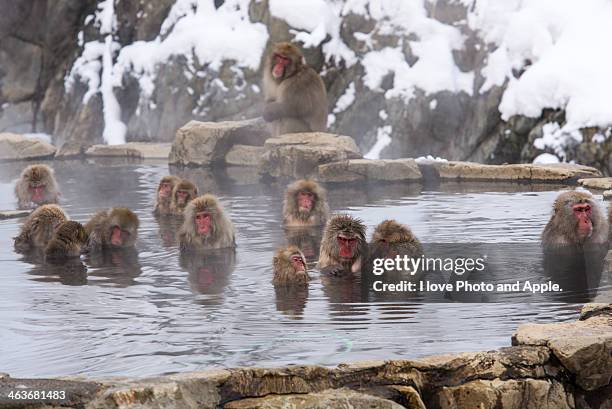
x=560, y=366
x=44, y=42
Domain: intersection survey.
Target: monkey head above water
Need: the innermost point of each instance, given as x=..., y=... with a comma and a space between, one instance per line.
x=39, y=227
x=343, y=248
x=290, y=267
x=183, y=192
x=68, y=240
x=205, y=225
x=391, y=239
x=577, y=220
x=164, y=195
x=305, y=204
x=113, y=228
x=36, y=186
x=295, y=96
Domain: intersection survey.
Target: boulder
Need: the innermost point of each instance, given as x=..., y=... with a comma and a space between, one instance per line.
x=331, y=398
x=13, y=214
x=583, y=347
x=298, y=155
x=244, y=155
x=607, y=195
x=360, y=170
x=596, y=183
x=506, y=394
x=15, y=147
x=207, y=143
x=561, y=172
x=131, y=150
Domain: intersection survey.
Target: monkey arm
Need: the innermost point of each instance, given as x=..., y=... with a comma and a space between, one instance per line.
x=333, y=270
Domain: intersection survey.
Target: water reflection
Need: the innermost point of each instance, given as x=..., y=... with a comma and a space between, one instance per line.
x=153, y=311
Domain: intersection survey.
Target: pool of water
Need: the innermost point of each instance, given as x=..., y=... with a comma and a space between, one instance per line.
x=153, y=312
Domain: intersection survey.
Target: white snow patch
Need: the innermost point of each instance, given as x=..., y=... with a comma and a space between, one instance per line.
x=545, y=159
x=433, y=104
x=430, y=158
x=40, y=136
x=383, y=139
x=346, y=99
x=556, y=138
x=382, y=114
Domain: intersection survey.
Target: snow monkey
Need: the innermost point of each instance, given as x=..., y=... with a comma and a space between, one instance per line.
x=205, y=225
x=391, y=239
x=305, y=204
x=36, y=186
x=344, y=247
x=113, y=228
x=164, y=195
x=39, y=227
x=577, y=221
x=295, y=96
x=290, y=267
x=68, y=240
x=183, y=192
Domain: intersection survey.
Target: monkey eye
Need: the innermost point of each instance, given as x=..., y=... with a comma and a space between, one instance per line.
x=297, y=258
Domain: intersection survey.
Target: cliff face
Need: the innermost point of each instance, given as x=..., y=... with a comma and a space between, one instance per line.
x=405, y=79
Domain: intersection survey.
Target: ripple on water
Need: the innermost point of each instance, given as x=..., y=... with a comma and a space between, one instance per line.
x=152, y=313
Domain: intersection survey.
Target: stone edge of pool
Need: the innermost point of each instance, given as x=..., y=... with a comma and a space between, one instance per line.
x=556, y=365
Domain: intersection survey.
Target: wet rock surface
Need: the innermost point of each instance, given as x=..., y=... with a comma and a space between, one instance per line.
x=298, y=155
x=15, y=147
x=565, y=365
x=131, y=150
x=597, y=183
x=207, y=143
x=361, y=170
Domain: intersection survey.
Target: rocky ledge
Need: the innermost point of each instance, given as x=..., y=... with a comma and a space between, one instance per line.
x=561, y=366
x=131, y=150
x=14, y=147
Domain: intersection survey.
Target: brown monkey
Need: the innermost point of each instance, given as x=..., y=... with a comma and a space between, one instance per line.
x=343, y=248
x=113, y=228
x=290, y=267
x=164, y=195
x=205, y=225
x=36, y=186
x=38, y=228
x=577, y=221
x=391, y=239
x=295, y=96
x=305, y=204
x=183, y=192
x=68, y=240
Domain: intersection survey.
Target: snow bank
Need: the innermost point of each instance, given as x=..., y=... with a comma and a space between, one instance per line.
x=383, y=139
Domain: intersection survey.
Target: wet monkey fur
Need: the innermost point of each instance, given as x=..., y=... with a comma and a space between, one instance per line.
x=113, y=228
x=183, y=192
x=68, y=240
x=36, y=186
x=343, y=247
x=206, y=226
x=305, y=204
x=164, y=195
x=39, y=227
x=290, y=267
x=295, y=95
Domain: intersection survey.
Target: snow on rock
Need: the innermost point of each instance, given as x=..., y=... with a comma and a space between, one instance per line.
x=546, y=159
x=346, y=99
x=429, y=158
x=383, y=138
x=557, y=138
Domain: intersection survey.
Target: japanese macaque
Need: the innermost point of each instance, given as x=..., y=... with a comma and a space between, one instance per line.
x=577, y=221
x=36, y=186
x=391, y=239
x=183, y=192
x=295, y=96
x=344, y=247
x=68, y=240
x=205, y=225
x=290, y=267
x=39, y=227
x=164, y=195
x=305, y=204
x=113, y=228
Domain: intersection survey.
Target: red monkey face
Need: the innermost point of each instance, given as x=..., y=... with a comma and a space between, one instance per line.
x=37, y=193
x=280, y=65
x=164, y=190
x=182, y=196
x=116, y=238
x=584, y=226
x=298, y=263
x=305, y=201
x=203, y=221
x=347, y=246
